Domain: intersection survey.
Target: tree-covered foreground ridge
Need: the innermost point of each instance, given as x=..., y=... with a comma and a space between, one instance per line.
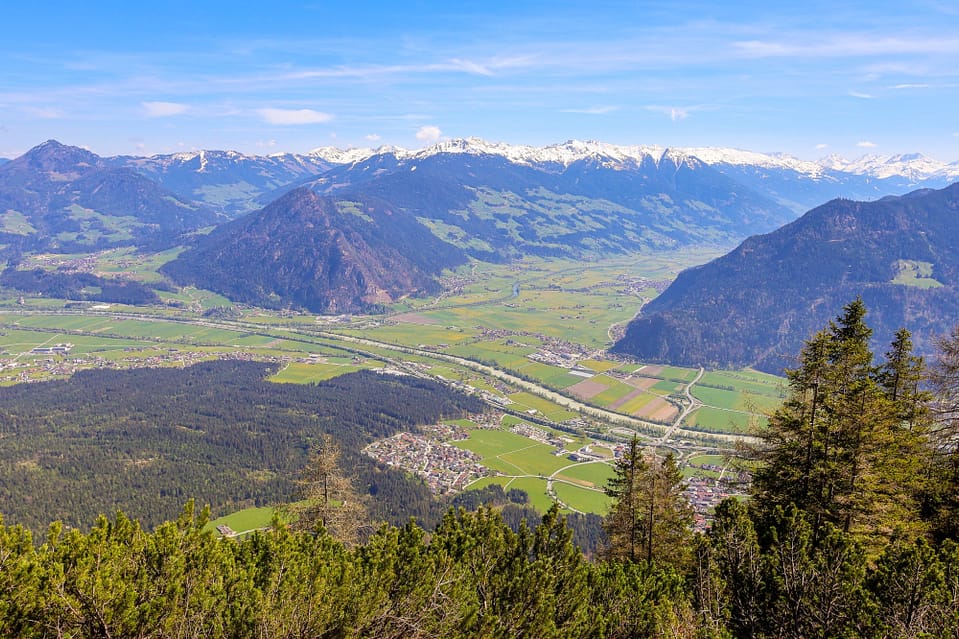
x=850, y=530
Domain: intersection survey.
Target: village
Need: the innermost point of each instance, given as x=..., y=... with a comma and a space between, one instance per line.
x=444, y=467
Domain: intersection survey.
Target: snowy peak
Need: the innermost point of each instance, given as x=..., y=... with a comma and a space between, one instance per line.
x=738, y=157
x=562, y=155
x=334, y=155
x=912, y=166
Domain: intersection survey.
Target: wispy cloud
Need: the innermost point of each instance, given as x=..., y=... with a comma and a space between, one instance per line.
x=293, y=116
x=597, y=110
x=677, y=113
x=429, y=134
x=901, y=87
x=453, y=65
x=821, y=146
x=846, y=45
x=372, y=137
x=163, y=109
x=861, y=95
x=866, y=144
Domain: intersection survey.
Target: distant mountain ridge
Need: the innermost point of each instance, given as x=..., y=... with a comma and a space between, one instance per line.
x=227, y=180
x=238, y=183
x=497, y=209
x=755, y=305
x=63, y=197
x=461, y=199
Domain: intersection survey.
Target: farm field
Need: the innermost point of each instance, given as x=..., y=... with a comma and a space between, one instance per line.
x=512, y=454
x=715, y=420
x=589, y=474
x=735, y=400
x=581, y=499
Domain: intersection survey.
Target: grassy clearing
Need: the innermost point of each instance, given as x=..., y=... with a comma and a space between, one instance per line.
x=535, y=488
x=582, y=499
x=297, y=373
x=244, y=520
x=915, y=273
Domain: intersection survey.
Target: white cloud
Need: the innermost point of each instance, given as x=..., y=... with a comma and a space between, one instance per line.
x=821, y=146
x=675, y=113
x=429, y=134
x=266, y=144
x=372, y=137
x=866, y=144
x=864, y=96
x=293, y=116
x=163, y=109
x=912, y=86
x=469, y=66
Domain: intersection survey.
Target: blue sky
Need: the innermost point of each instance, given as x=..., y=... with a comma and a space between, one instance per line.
x=806, y=78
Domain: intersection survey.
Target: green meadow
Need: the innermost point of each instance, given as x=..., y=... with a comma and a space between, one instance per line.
x=716, y=420
x=589, y=474
x=581, y=499
x=245, y=520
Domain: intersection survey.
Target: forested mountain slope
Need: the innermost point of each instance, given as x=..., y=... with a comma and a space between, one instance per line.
x=320, y=254
x=755, y=305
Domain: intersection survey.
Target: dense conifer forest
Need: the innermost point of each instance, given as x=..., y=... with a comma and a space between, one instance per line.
x=144, y=441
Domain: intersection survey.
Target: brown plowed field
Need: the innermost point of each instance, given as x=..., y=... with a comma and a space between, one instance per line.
x=641, y=383
x=659, y=410
x=586, y=389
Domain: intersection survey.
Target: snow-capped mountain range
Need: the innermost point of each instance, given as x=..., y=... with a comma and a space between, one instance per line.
x=912, y=166
x=237, y=183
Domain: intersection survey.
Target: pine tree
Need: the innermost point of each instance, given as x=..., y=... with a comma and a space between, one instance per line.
x=845, y=447
x=650, y=519
x=328, y=498
x=623, y=524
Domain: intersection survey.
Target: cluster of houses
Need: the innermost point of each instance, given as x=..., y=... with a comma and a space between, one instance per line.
x=704, y=494
x=444, y=467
